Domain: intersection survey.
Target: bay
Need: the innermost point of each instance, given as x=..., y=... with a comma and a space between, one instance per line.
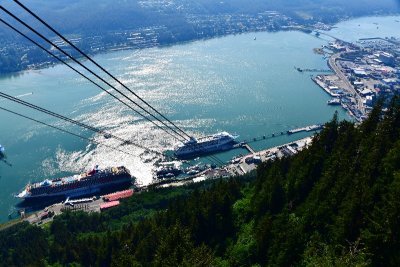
x=244, y=84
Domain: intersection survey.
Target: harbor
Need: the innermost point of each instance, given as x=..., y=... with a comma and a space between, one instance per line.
x=355, y=95
x=167, y=170
x=363, y=72
x=251, y=104
x=165, y=174
x=239, y=165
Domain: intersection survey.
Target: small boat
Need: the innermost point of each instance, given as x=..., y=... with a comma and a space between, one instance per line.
x=167, y=170
x=334, y=101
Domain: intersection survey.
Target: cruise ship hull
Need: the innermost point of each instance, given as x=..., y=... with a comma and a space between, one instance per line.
x=204, y=151
x=206, y=145
x=80, y=192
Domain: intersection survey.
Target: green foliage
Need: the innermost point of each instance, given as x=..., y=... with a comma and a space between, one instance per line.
x=23, y=245
x=321, y=254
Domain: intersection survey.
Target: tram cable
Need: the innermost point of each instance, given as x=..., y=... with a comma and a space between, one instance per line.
x=83, y=75
x=93, y=73
x=211, y=157
x=99, y=66
x=88, y=127
x=66, y=131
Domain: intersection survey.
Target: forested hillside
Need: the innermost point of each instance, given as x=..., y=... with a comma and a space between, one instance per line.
x=334, y=204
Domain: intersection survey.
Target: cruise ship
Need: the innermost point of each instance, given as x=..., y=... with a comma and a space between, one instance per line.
x=90, y=182
x=205, y=145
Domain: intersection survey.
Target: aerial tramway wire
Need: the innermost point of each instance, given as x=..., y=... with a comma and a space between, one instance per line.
x=93, y=73
x=88, y=127
x=99, y=66
x=65, y=131
x=211, y=157
x=102, y=68
x=83, y=75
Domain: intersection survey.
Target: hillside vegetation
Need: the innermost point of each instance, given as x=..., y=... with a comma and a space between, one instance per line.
x=334, y=204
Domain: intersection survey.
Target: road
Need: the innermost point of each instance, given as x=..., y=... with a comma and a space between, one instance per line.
x=342, y=77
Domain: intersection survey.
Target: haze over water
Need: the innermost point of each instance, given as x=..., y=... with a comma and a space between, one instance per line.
x=234, y=83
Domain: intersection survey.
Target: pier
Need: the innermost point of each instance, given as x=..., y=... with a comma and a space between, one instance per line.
x=246, y=143
x=249, y=148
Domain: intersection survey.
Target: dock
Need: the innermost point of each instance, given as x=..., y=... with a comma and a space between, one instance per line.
x=249, y=148
x=246, y=143
x=320, y=83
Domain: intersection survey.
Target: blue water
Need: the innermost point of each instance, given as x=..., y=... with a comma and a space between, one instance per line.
x=234, y=83
x=352, y=30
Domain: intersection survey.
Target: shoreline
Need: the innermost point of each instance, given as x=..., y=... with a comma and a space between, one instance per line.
x=300, y=28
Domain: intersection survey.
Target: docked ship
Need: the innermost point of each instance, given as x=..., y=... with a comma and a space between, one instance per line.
x=205, y=145
x=90, y=182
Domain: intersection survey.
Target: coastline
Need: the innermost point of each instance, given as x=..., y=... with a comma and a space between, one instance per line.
x=306, y=28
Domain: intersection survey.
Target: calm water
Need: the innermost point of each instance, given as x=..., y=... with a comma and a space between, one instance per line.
x=234, y=83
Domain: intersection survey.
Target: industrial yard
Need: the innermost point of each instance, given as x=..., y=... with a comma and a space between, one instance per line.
x=363, y=72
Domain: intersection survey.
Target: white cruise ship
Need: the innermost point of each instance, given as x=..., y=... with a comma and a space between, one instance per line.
x=209, y=144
